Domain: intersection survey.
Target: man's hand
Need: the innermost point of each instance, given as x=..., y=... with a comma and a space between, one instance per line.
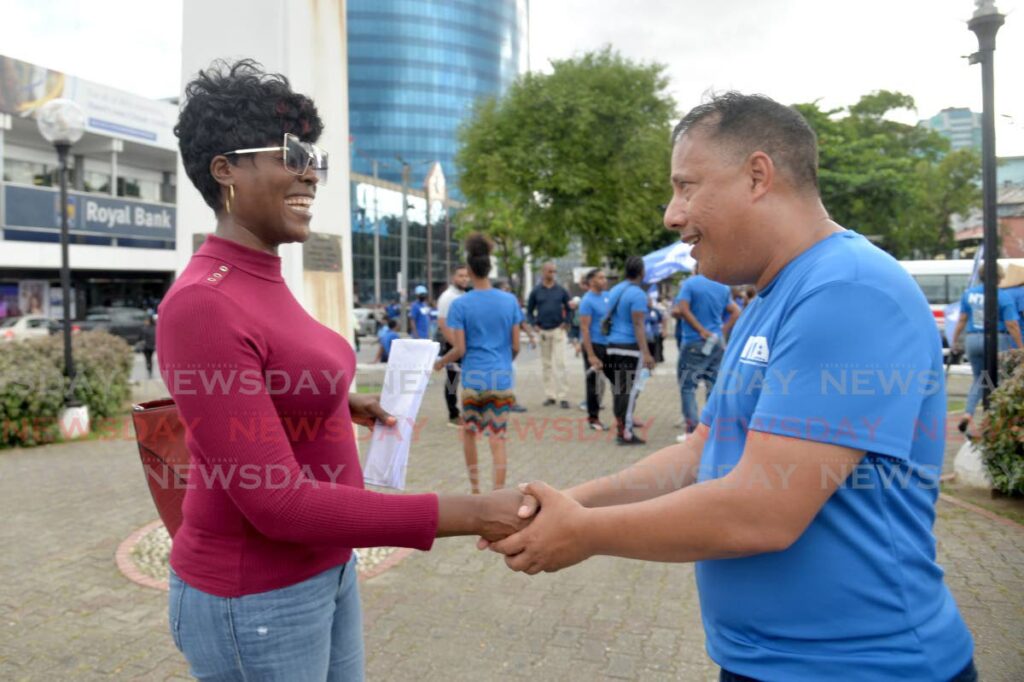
x=366, y=410
x=556, y=539
x=503, y=513
x=648, y=360
x=596, y=363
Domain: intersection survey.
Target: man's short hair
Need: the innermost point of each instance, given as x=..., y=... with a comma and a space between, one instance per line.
x=634, y=267
x=459, y=266
x=590, y=275
x=750, y=123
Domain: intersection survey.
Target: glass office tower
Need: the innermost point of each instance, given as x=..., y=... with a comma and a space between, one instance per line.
x=415, y=67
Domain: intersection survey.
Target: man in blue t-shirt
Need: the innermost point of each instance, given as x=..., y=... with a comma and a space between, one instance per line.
x=593, y=309
x=1013, y=285
x=419, y=313
x=807, y=494
x=700, y=308
x=386, y=337
x=627, y=347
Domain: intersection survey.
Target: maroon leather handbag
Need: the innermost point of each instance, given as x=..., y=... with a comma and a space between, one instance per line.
x=160, y=435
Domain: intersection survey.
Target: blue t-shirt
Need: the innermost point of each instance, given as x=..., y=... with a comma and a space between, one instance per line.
x=486, y=316
x=392, y=311
x=420, y=313
x=839, y=348
x=972, y=304
x=631, y=299
x=1016, y=294
x=708, y=302
x=595, y=305
x=386, y=338
x=652, y=324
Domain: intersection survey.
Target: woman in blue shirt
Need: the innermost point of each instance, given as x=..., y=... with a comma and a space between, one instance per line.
x=485, y=324
x=972, y=318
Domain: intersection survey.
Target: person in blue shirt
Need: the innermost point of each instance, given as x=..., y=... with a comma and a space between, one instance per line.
x=386, y=337
x=392, y=311
x=653, y=326
x=627, y=347
x=972, y=319
x=484, y=325
x=419, y=314
x=701, y=307
x=593, y=309
x=807, y=494
x=1013, y=284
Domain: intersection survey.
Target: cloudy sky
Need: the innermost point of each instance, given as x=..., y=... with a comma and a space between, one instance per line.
x=792, y=50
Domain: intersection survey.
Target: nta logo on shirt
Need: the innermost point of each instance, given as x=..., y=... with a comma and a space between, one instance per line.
x=755, y=350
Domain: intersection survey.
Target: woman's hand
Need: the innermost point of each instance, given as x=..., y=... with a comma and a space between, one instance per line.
x=505, y=512
x=366, y=410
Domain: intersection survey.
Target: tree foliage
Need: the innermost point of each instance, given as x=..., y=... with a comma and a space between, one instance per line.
x=897, y=183
x=582, y=152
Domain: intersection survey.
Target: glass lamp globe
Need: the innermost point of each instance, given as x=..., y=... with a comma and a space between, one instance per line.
x=61, y=121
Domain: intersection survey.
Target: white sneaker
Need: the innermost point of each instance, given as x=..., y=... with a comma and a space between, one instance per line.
x=681, y=438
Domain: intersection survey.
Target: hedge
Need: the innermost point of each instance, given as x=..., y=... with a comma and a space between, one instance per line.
x=32, y=383
x=1001, y=438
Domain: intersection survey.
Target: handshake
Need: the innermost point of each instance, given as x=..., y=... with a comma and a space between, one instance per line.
x=537, y=528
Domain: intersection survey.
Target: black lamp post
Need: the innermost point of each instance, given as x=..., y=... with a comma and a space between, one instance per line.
x=62, y=123
x=985, y=24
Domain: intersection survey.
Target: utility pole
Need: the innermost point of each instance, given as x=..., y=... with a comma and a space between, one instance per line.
x=376, y=238
x=403, y=292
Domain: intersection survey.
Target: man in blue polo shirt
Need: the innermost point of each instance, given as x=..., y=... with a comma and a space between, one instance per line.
x=700, y=307
x=807, y=494
x=419, y=314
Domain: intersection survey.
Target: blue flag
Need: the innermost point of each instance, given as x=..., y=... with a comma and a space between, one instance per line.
x=667, y=261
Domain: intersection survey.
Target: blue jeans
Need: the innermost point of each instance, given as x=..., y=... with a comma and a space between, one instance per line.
x=693, y=367
x=312, y=630
x=975, y=347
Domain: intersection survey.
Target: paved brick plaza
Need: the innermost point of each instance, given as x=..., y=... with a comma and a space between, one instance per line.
x=66, y=612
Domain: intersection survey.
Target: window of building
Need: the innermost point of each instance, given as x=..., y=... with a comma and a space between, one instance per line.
x=139, y=188
x=35, y=173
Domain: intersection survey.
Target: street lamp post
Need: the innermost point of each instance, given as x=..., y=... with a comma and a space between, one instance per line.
x=985, y=24
x=403, y=294
x=62, y=123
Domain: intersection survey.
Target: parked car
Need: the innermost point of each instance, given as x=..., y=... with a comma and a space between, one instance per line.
x=26, y=327
x=124, y=322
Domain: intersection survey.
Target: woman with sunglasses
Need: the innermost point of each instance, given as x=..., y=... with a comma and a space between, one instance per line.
x=263, y=580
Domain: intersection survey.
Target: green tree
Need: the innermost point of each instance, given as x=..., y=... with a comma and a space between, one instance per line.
x=581, y=152
x=897, y=183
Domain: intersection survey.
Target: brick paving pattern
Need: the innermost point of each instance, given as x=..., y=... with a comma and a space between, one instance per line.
x=453, y=613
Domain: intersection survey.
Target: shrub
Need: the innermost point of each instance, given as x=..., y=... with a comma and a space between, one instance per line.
x=32, y=383
x=1001, y=439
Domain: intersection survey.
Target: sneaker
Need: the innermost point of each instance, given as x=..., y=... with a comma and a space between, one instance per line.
x=681, y=438
x=455, y=422
x=564, y=404
x=635, y=440
x=516, y=407
x=583, y=406
x=548, y=402
x=596, y=425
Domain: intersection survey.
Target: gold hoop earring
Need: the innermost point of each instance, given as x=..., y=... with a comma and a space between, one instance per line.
x=230, y=199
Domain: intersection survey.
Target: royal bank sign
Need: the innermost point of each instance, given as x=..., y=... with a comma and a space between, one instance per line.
x=38, y=208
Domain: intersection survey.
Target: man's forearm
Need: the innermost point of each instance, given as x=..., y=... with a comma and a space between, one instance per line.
x=702, y=522
x=1013, y=327
x=664, y=471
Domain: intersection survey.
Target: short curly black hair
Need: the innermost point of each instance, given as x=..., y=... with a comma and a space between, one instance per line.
x=237, y=106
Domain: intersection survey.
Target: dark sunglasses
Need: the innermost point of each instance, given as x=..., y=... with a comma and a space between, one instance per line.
x=297, y=156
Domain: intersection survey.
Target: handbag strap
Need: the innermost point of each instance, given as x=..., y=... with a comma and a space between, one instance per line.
x=611, y=313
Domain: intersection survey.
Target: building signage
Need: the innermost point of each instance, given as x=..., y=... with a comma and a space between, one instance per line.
x=110, y=112
x=37, y=207
x=322, y=253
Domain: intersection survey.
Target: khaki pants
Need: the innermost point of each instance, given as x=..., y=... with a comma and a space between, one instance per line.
x=552, y=355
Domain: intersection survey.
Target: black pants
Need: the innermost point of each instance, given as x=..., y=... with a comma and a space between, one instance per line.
x=451, y=385
x=148, y=354
x=623, y=361
x=968, y=674
x=594, y=380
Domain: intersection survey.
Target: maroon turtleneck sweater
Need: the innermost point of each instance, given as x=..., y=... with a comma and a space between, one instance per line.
x=275, y=490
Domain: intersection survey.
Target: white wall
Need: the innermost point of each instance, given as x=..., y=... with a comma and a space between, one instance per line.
x=306, y=41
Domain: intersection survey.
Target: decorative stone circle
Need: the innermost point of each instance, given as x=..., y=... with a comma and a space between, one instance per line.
x=142, y=557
